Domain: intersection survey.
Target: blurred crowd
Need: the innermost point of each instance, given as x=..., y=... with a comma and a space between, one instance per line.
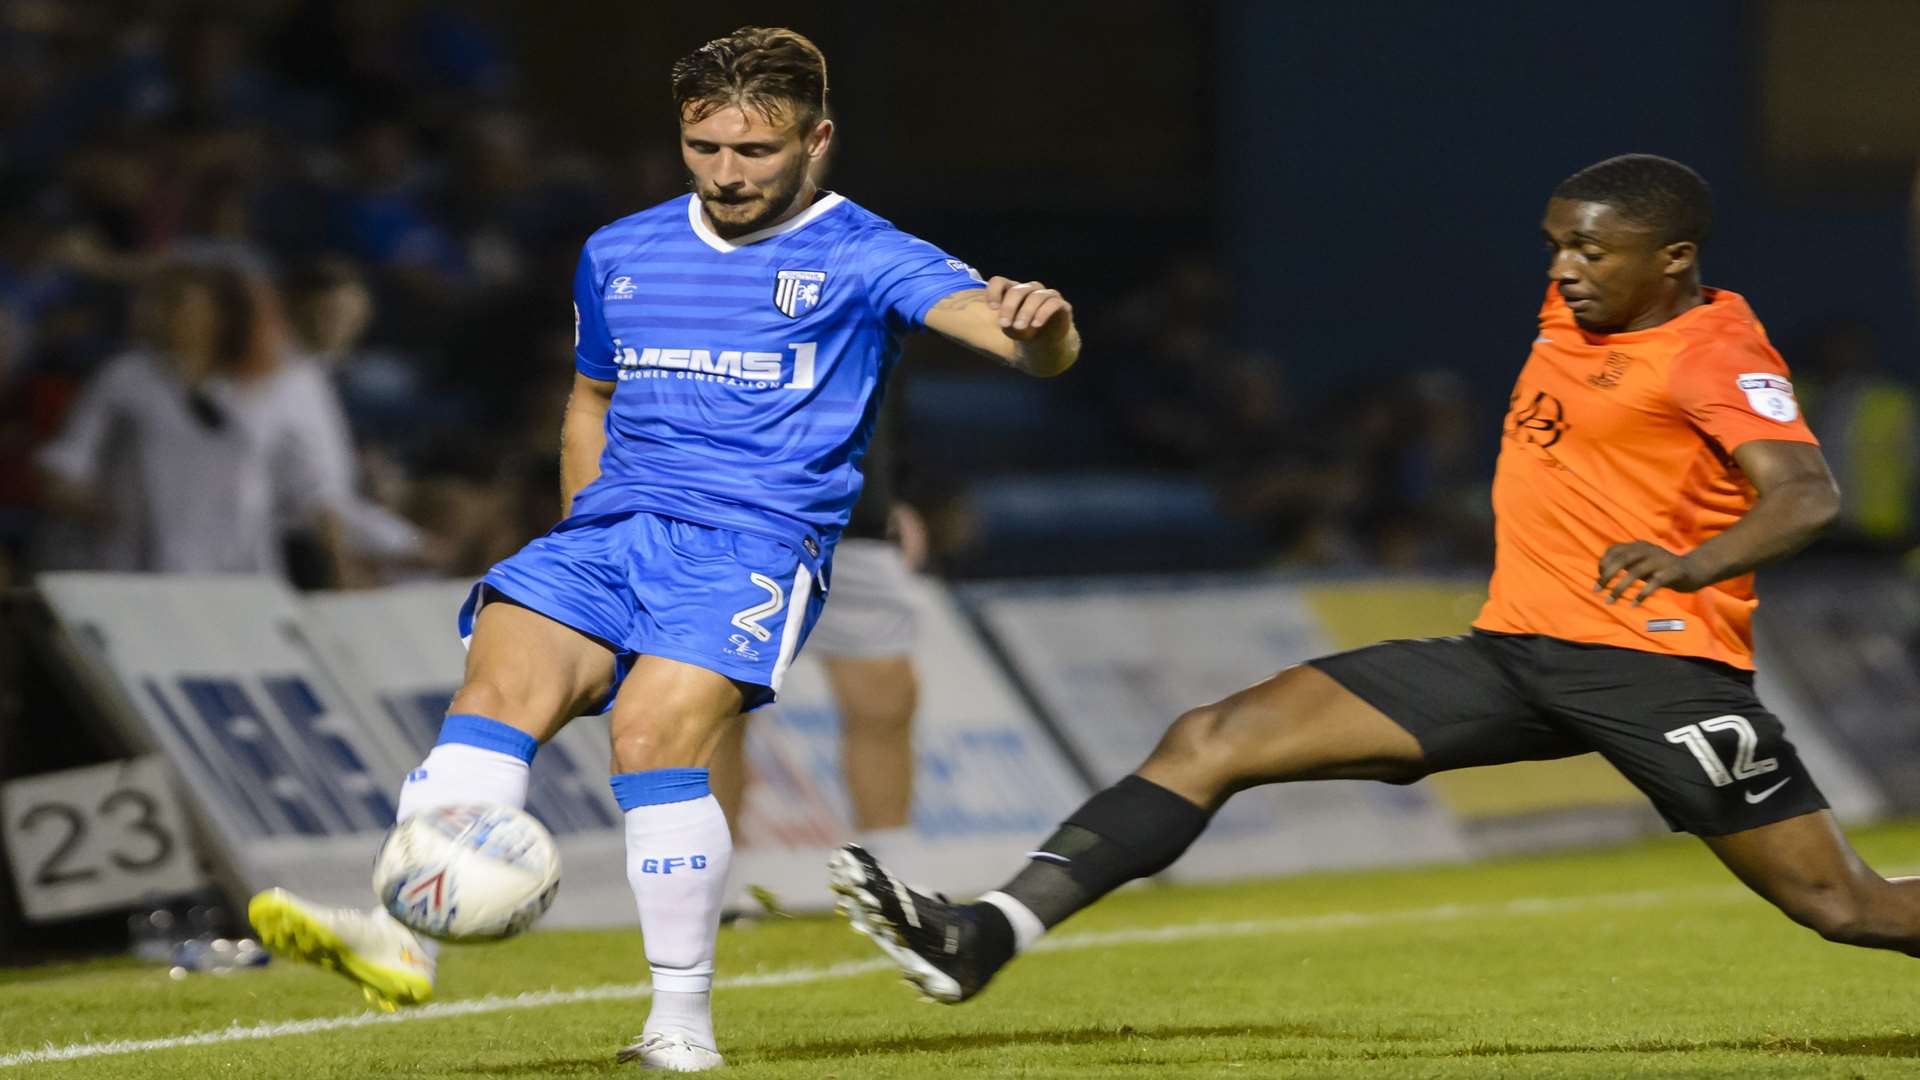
x=1394, y=473
x=284, y=288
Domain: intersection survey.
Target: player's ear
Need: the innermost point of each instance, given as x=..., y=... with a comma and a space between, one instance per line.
x=819, y=139
x=1682, y=256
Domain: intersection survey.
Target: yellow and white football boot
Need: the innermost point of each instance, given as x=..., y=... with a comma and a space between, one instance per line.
x=370, y=947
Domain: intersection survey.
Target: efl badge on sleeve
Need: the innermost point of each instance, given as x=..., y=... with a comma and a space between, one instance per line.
x=1771, y=396
x=796, y=292
x=959, y=267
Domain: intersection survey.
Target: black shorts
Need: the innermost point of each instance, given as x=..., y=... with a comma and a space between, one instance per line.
x=1689, y=733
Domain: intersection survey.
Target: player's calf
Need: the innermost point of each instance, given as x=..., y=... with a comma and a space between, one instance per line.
x=1804, y=865
x=1873, y=914
x=666, y=724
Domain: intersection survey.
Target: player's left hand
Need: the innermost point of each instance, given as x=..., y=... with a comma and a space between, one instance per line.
x=1028, y=309
x=1638, y=561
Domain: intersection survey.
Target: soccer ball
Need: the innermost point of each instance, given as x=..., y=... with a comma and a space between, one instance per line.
x=476, y=872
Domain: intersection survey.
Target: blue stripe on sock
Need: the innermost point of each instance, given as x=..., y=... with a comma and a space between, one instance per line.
x=487, y=734
x=656, y=786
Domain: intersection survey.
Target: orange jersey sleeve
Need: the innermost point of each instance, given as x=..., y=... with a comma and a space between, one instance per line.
x=1736, y=391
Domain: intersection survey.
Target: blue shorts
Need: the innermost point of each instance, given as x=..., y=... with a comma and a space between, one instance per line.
x=647, y=585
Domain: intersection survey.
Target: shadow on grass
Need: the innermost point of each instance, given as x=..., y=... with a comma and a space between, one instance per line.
x=1886, y=1046
x=831, y=1049
x=1080, y=1036
x=1898, y=1045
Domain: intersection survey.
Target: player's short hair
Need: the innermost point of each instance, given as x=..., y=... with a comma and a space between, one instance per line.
x=771, y=70
x=1650, y=190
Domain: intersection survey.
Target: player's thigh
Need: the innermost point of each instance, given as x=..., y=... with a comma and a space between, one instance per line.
x=530, y=672
x=876, y=694
x=1690, y=734
x=672, y=714
x=1297, y=725
x=719, y=617
x=544, y=625
x=1394, y=711
x=1455, y=697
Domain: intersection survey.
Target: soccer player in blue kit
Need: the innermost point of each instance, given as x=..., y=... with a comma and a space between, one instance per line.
x=733, y=345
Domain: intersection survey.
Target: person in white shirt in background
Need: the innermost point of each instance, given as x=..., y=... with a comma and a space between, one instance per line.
x=176, y=453
x=329, y=308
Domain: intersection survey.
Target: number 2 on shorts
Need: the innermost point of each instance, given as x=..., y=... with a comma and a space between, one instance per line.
x=749, y=620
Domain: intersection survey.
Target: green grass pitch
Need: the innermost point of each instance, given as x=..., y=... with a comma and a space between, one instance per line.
x=1640, y=961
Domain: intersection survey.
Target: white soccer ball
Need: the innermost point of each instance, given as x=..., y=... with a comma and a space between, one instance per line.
x=476, y=872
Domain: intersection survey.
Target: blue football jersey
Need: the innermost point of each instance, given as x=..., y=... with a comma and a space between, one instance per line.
x=750, y=370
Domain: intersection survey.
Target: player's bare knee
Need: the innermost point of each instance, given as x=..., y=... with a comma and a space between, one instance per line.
x=664, y=737
x=1200, y=742
x=883, y=723
x=638, y=748
x=1846, y=927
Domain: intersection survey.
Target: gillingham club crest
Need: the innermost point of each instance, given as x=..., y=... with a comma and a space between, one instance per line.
x=796, y=292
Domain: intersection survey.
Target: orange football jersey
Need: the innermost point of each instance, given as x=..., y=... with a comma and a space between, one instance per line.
x=1630, y=436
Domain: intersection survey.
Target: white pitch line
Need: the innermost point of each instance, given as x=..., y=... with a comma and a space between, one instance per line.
x=1347, y=920
x=1536, y=905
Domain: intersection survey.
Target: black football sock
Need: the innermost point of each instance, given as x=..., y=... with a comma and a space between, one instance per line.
x=1134, y=829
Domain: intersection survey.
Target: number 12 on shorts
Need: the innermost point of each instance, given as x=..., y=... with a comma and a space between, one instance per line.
x=1745, y=766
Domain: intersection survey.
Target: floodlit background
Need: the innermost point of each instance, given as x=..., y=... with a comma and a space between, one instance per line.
x=1302, y=243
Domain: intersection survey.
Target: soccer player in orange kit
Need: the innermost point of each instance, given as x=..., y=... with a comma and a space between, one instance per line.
x=1652, y=456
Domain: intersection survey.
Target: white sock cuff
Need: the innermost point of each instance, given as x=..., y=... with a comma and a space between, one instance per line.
x=682, y=980
x=1027, y=926
x=462, y=773
x=467, y=752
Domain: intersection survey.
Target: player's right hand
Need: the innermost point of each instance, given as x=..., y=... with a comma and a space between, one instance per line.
x=1028, y=309
x=1626, y=565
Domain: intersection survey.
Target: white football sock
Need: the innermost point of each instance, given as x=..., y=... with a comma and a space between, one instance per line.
x=478, y=760
x=678, y=855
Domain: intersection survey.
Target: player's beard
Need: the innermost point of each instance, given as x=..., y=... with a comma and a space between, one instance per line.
x=769, y=206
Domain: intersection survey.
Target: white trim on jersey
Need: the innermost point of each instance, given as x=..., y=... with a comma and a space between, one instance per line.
x=713, y=240
x=799, y=599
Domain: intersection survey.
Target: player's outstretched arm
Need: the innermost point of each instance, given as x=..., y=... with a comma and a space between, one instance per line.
x=583, y=436
x=1798, y=500
x=1021, y=323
